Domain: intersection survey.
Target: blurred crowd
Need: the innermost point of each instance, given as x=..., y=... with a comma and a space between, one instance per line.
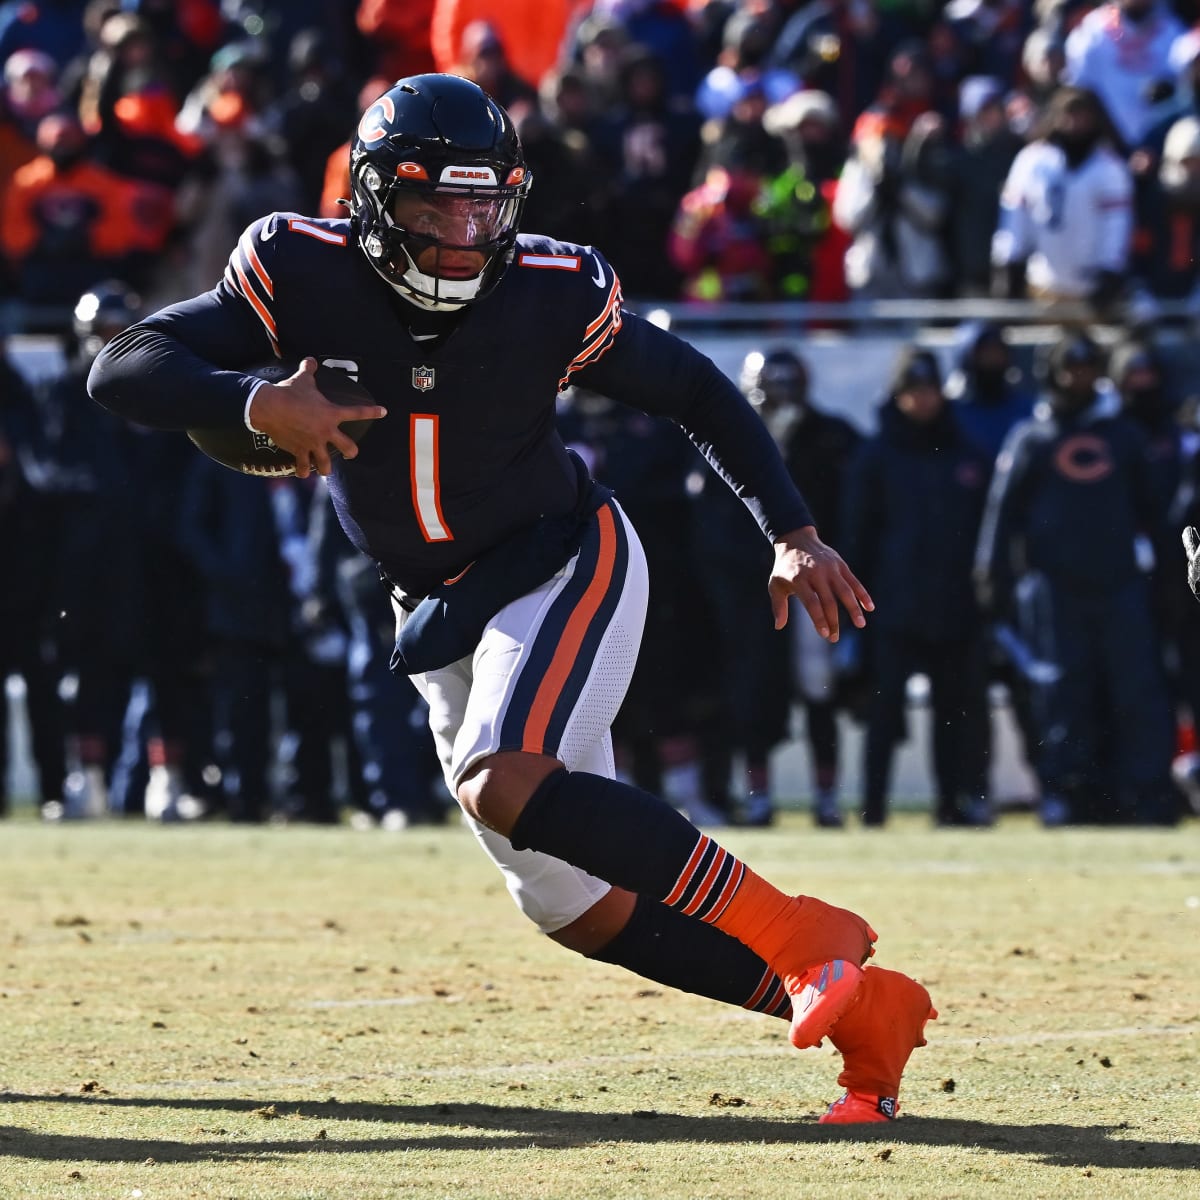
x=195, y=642
x=717, y=149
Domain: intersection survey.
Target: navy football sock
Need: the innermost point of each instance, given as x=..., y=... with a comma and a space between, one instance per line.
x=661, y=944
x=612, y=830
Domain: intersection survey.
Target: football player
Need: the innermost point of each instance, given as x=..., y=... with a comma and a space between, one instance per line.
x=520, y=588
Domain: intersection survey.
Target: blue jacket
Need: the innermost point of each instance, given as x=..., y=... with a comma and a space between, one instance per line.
x=913, y=501
x=1070, y=497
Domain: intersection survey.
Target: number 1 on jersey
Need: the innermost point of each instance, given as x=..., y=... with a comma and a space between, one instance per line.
x=424, y=473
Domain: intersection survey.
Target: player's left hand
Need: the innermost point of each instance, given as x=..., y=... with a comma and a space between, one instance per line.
x=816, y=574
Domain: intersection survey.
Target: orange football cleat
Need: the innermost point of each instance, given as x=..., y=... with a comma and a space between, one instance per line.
x=876, y=1034
x=828, y=944
x=824, y=994
x=857, y=1108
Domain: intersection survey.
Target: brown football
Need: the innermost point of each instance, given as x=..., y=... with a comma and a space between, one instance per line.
x=255, y=453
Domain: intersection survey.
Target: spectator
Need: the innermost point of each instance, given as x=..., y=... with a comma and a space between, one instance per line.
x=188, y=32
x=840, y=47
x=717, y=241
x=91, y=598
x=666, y=31
x=906, y=92
x=569, y=103
x=483, y=58
x=894, y=200
x=29, y=94
x=398, y=33
x=992, y=33
x=987, y=392
x=531, y=31
x=391, y=753
x=598, y=48
x=52, y=26
x=69, y=222
x=1066, y=210
x=741, y=134
x=235, y=93
x=128, y=107
x=980, y=166
x=1168, y=259
x=913, y=501
x=1121, y=52
x=817, y=447
x=227, y=529
x=1071, y=495
x=1042, y=63
x=30, y=90
x=26, y=645
x=251, y=177
x=312, y=114
x=650, y=151
x=743, y=60
x=570, y=200
x=809, y=250
x=314, y=683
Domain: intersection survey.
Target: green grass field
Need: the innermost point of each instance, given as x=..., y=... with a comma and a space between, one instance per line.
x=292, y=1012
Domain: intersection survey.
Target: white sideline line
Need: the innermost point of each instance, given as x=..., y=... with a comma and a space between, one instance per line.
x=531, y=1069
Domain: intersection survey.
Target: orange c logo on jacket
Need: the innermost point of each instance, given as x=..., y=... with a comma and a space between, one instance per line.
x=1084, y=458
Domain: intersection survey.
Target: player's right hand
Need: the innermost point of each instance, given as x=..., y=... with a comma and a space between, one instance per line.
x=299, y=420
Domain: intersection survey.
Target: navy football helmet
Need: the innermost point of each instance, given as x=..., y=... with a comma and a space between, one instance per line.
x=776, y=384
x=438, y=183
x=102, y=312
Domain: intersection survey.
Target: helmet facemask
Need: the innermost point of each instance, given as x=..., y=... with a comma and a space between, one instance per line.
x=442, y=246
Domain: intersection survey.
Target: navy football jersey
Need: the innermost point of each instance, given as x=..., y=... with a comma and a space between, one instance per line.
x=468, y=452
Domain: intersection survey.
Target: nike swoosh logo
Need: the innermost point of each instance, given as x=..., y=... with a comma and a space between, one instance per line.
x=598, y=278
x=268, y=231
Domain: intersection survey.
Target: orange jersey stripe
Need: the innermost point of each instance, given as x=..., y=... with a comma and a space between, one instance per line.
x=542, y=708
x=614, y=298
x=255, y=262
x=245, y=288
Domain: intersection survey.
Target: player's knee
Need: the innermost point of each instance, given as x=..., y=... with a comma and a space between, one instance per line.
x=497, y=788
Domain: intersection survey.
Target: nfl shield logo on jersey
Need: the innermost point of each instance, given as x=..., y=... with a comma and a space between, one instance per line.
x=423, y=378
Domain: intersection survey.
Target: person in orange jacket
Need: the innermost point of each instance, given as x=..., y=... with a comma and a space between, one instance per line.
x=398, y=31
x=531, y=31
x=68, y=221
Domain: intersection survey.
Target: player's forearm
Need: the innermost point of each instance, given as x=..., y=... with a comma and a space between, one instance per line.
x=661, y=374
x=164, y=372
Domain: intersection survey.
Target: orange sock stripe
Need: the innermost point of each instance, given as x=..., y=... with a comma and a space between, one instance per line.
x=702, y=892
x=779, y=1003
x=681, y=884
x=769, y=979
x=727, y=895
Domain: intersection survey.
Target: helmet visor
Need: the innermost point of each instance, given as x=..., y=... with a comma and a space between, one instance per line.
x=453, y=220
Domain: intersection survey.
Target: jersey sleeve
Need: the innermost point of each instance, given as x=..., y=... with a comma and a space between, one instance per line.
x=602, y=308
x=634, y=362
x=248, y=275
x=179, y=368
